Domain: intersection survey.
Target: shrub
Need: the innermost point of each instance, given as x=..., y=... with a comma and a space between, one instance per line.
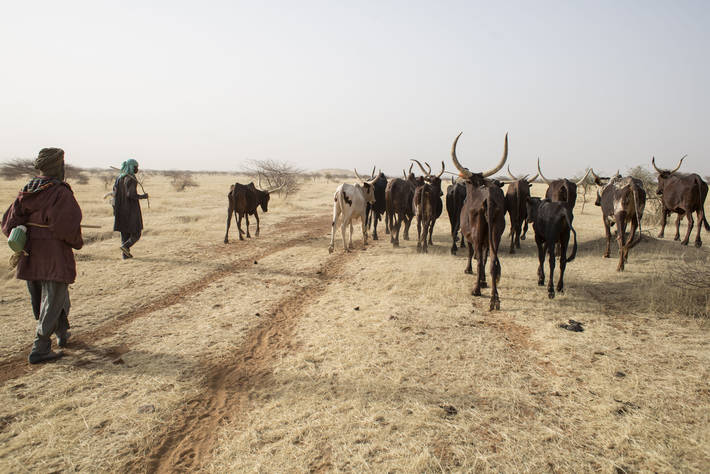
x=275, y=174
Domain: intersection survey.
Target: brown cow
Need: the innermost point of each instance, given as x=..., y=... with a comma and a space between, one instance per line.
x=399, y=194
x=483, y=221
x=622, y=201
x=682, y=193
x=245, y=200
x=561, y=190
x=427, y=206
x=516, y=197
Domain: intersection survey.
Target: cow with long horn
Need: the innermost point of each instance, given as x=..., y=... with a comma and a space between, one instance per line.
x=427, y=205
x=244, y=200
x=561, y=190
x=682, y=193
x=350, y=203
x=516, y=198
x=399, y=195
x=622, y=200
x=483, y=221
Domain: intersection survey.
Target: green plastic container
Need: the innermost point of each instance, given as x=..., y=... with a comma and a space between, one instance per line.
x=18, y=238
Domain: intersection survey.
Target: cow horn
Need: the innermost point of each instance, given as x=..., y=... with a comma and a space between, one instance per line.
x=579, y=183
x=452, y=180
x=276, y=188
x=539, y=171
x=679, y=163
x=404, y=173
x=594, y=175
x=360, y=178
x=259, y=180
x=420, y=165
x=428, y=168
x=464, y=172
x=532, y=180
x=512, y=176
x=493, y=171
x=442, y=169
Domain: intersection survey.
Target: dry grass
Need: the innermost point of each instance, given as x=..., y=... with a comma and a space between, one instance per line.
x=169, y=347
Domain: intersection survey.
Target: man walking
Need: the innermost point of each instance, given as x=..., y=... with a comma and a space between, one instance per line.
x=128, y=219
x=46, y=206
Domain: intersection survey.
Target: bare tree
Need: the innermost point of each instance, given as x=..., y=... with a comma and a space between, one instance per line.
x=275, y=174
x=17, y=168
x=654, y=206
x=585, y=185
x=181, y=180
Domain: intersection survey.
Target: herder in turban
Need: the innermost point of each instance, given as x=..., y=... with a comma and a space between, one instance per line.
x=46, y=206
x=128, y=219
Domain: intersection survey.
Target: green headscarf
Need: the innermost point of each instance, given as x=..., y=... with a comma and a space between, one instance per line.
x=128, y=168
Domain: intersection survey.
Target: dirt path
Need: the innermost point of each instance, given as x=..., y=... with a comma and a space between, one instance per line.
x=307, y=228
x=187, y=443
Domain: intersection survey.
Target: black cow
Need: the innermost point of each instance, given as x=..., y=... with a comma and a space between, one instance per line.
x=399, y=195
x=427, y=206
x=455, y=197
x=516, y=198
x=375, y=210
x=552, y=223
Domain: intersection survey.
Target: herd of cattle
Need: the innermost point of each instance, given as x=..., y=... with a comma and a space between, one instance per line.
x=477, y=206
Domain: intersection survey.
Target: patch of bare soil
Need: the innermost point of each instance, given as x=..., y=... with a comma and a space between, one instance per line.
x=188, y=441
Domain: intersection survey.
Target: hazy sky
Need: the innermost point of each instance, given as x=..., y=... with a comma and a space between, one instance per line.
x=208, y=85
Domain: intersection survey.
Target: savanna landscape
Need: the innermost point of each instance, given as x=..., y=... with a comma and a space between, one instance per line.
x=272, y=355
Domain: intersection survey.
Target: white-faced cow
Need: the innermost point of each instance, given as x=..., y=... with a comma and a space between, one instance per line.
x=516, y=198
x=682, y=193
x=552, y=223
x=350, y=201
x=483, y=221
x=622, y=200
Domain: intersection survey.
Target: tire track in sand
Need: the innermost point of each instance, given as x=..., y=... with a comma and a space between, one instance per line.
x=308, y=228
x=186, y=445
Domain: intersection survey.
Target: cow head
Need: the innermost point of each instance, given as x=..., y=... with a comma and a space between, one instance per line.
x=663, y=175
x=368, y=187
x=265, y=201
x=433, y=180
x=531, y=206
x=478, y=179
x=523, y=181
x=578, y=183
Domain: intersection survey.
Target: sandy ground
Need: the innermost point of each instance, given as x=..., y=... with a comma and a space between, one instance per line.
x=270, y=355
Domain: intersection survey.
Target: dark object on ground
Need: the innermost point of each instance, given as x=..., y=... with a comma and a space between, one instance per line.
x=36, y=358
x=573, y=325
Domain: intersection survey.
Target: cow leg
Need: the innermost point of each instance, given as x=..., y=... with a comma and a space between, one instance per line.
x=541, y=251
x=634, y=226
x=396, y=225
x=387, y=227
x=620, y=219
x=256, y=214
x=701, y=218
x=484, y=259
x=375, y=218
x=407, y=224
x=689, y=216
x=364, y=233
x=677, y=227
x=350, y=243
x=431, y=232
x=343, y=232
x=469, y=269
x=512, y=238
x=607, y=230
x=664, y=215
x=229, y=221
x=239, y=226
x=480, y=272
x=246, y=216
x=563, y=262
x=525, y=229
x=419, y=234
x=551, y=260
x=336, y=213
x=495, y=275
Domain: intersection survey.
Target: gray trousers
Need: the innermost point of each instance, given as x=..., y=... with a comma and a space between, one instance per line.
x=50, y=305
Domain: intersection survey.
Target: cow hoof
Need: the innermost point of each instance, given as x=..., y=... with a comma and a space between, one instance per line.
x=698, y=243
x=660, y=235
x=551, y=294
x=512, y=250
x=495, y=305
x=560, y=290
x=606, y=255
x=374, y=237
x=226, y=241
x=257, y=234
x=685, y=242
x=330, y=249
x=453, y=251
x=522, y=237
x=476, y=292
x=483, y=284
x=677, y=237
x=541, y=283
x=468, y=271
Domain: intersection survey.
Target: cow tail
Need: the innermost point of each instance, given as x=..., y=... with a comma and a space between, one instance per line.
x=496, y=270
x=702, y=206
x=568, y=216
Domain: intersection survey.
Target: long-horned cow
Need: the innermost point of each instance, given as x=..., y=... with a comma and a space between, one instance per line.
x=350, y=203
x=552, y=223
x=516, y=198
x=455, y=197
x=682, y=193
x=245, y=200
x=375, y=210
x=622, y=200
x=399, y=195
x=483, y=221
x=561, y=190
x=427, y=206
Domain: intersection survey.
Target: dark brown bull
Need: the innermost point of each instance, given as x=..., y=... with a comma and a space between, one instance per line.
x=682, y=193
x=455, y=197
x=398, y=199
x=622, y=201
x=561, y=190
x=375, y=210
x=245, y=200
x=483, y=222
x=427, y=206
x=516, y=198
